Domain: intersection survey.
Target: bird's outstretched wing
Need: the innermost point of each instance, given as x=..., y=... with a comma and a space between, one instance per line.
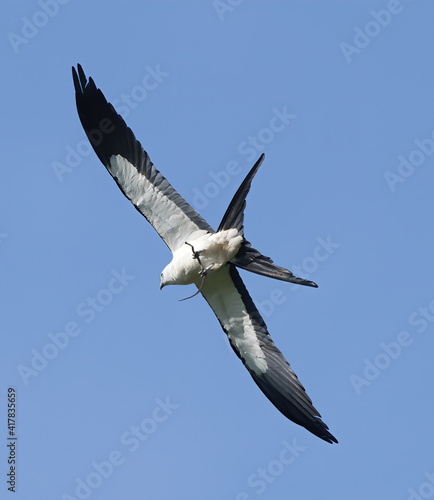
x=130, y=166
x=247, y=332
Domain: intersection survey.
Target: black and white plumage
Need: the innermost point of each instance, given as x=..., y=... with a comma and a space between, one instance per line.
x=201, y=255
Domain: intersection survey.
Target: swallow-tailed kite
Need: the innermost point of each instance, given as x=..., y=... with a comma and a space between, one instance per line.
x=202, y=256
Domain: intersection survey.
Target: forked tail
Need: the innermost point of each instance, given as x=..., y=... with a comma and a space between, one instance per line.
x=249, y=258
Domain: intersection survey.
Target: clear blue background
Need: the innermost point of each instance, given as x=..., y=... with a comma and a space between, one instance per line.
x=323, y=177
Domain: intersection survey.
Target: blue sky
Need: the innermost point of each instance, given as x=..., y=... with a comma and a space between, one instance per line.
x=124, y=392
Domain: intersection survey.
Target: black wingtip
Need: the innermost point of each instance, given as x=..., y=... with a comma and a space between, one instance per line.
x=75, y=79
x=330, y=439
x=333, y=440
x=325, y=434
x=83, y=79
x=79, y=79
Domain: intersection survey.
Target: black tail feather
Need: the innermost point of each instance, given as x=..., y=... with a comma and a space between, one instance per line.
x=250, y=259
x=234, y=215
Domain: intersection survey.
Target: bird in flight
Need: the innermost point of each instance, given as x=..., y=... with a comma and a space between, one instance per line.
x=201, y=256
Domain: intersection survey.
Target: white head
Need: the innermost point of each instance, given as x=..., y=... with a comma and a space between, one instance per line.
x=166, y=277
x=163, y=281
